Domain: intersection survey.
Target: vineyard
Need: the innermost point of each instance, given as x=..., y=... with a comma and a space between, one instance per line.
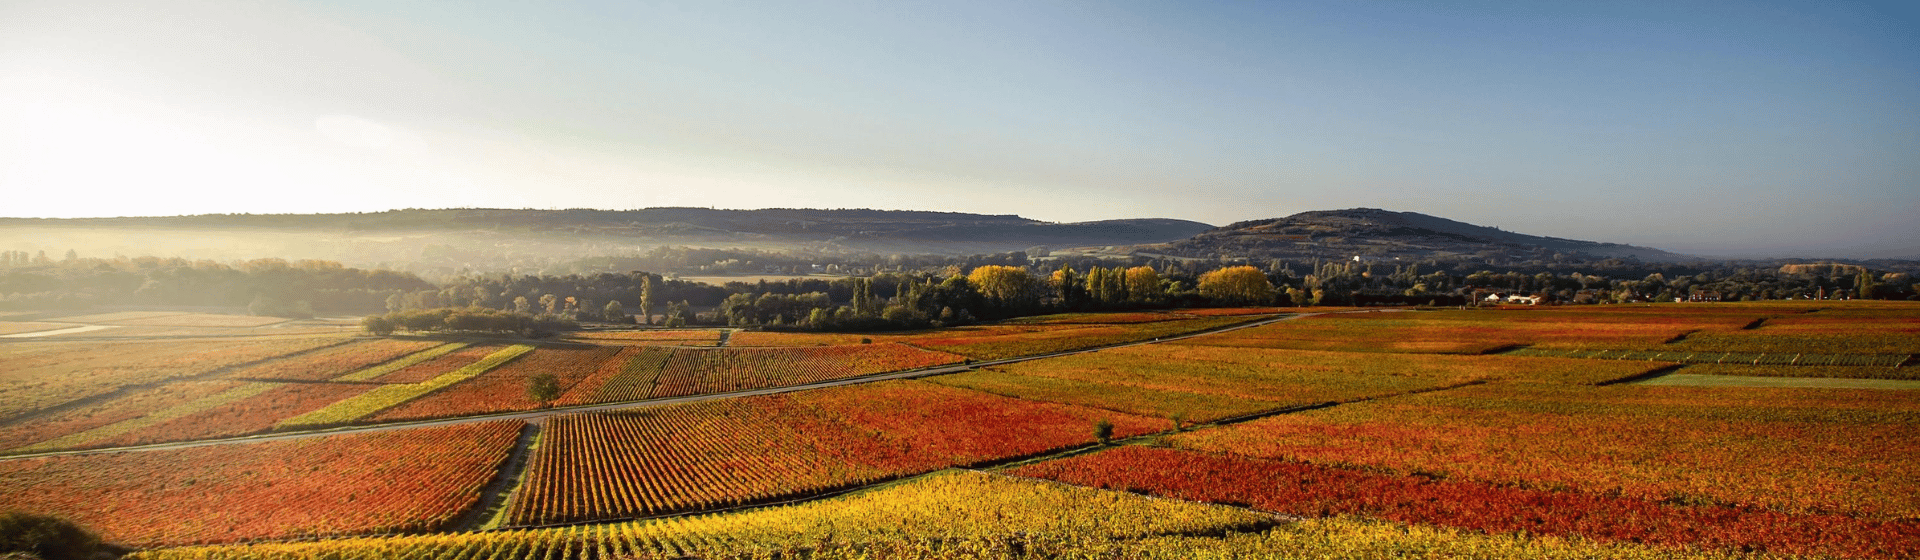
x=698, y=372
x=329, y=363
x=39, y=375
x=367, y=404
x=1369, y=332
x=1207, y=382
x=80, y=419
x=1849, y=331
x=504, y=388
x=1850, y=450
x=412, y=480
x=715, y=454
x=247, y=409
x=1686, y=378
x=1026, y=336
x=1000, y=342
x=627, y=376
x=961, y=514
x=656, y=337
x=1478, y=332
x=328, y=381
x=423, y=366
x=1541, y=432
x=1099, y=318
x=1320, y=491
x=1725, y=358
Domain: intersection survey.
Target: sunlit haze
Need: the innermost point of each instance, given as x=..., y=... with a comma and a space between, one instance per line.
x=1715, y=128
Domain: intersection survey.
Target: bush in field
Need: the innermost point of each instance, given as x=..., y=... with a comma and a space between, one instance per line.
x=378, y=325
x=1103, y=431
x=543, y=388
x=50, y=538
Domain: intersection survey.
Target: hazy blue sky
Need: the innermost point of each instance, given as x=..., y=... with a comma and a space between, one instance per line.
x=1720, y=128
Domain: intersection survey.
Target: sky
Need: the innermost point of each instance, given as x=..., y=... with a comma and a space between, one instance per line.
x=1717, y=128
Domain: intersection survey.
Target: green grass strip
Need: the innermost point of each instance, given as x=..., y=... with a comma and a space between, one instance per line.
x=388, y=396
x=375, y=372
x=122, y=427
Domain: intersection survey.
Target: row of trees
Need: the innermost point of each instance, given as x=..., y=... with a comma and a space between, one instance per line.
x=920, y=293
x=955, y=295
x=993, y=292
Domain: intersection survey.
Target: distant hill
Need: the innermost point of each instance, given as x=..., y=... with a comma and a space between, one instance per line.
x=1376, y=233
x=405, y=235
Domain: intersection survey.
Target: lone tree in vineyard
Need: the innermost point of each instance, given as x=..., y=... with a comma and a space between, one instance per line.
x=543, y=388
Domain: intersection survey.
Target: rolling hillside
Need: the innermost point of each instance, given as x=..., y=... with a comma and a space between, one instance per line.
x=1375, y=233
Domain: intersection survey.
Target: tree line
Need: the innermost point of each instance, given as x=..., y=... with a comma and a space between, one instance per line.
x=956, y=294
x=913, y=294
x=265, y=286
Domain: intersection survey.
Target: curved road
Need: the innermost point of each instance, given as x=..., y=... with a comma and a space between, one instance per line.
x=540, y=415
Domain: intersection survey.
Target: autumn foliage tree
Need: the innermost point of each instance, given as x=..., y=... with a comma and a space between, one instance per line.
x=1144, y=286
x=1009, y=288
x=1238, y=285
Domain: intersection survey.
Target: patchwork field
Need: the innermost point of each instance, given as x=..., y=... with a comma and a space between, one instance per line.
x=741, y=451
x=1480, y=331
x=1848, y=448
x=1025, y=337
x=1308, y=489
x=962, y=514
x=35, y=376
x=1203, y=383
x=350, y=484
x=1776, y=430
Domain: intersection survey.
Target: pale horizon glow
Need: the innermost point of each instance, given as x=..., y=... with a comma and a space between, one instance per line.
x=1739, y=129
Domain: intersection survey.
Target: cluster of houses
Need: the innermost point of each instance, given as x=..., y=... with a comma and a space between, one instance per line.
x=1502, y=297
x=1587, y=296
